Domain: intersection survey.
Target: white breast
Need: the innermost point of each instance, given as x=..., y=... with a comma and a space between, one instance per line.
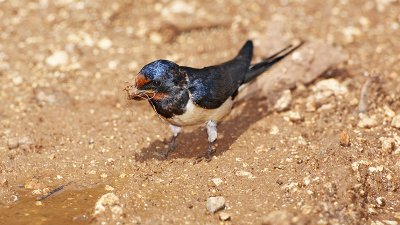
x=195, y=115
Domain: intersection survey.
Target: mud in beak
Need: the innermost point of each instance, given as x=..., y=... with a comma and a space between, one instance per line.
x=138, y=95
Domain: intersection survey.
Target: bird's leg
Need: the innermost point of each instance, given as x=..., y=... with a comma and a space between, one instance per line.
x=172, y=144
x=212, y=133
x=212, y=136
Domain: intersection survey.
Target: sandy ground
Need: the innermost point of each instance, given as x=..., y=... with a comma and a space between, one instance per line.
x=65, y=123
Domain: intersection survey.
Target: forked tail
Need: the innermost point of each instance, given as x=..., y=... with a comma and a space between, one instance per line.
x=257, y=69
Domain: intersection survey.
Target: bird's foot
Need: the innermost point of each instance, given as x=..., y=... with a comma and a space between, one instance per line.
x=171, y=148
x=210, y=150
x=206, y=157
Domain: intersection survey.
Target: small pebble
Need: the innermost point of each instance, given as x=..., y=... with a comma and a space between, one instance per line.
x=350, y=33
x=396, y=122
x=107, y=200
x=25, y=141
x=390, y=222
x=388, y=144
x=155, y=37
x=372, y=211
x=389, y=112
x=284, y=101
x=13, y=143
x=48, y=98
x=295, y=116
x=14, y=198
x=306, y=181
x=58, y=58
x=215, y=204
x=17, y=80
x=180, y=7
x=104, y=43
x=38, y=203
x=217, y=181
x=277, y=217
x=330, y=85
x=242, y=173
x=344, y=139
x=366, y=121
x=274, y=130
x=109, y=188
x=223, y=216
x=380, y=201
x=3, y=182
x=37, y=192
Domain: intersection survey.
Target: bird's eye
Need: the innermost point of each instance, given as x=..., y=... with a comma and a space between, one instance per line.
x=157, y=83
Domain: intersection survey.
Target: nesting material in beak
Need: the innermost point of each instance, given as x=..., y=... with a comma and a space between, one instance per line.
x=135, y=94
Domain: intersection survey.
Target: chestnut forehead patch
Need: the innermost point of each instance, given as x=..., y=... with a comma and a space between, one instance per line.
x=141, y=80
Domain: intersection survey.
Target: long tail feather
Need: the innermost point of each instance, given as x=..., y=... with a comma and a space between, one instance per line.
x=257, y=69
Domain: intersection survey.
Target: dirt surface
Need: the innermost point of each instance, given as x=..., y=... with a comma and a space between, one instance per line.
x=65, y=119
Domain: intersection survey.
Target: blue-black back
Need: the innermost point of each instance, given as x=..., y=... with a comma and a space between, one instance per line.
x=211, y=86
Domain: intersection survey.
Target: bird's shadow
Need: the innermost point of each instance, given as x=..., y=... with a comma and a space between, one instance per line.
x=194, y=143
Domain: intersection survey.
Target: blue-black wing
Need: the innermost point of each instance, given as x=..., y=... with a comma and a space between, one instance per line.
x=211, y=86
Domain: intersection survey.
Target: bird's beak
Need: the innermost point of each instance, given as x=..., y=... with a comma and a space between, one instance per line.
x=135, y=94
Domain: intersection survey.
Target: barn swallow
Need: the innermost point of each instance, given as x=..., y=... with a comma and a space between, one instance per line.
x=185, y=96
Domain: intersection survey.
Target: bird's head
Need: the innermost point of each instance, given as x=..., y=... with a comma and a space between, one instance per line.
x=158, y=80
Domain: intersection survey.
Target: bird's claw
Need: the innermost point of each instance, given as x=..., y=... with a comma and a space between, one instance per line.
x=206, y=157
x=171, y=148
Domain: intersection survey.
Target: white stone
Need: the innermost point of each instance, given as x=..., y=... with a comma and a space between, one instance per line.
x=295, y=116
x=215, y=204
x=104, y=43
x=223, y=216
x=43, y=97
x=331, y=85
x=108, y=188
x=156, y=37
x=274, y=130
x=388, y=144
x=284, y=101
x=107, y=200
x=17, y=80
x=217, y=181
x=366, y=121
x=396, y=122
x=113, y=64
x=390, y=222
x=350, y=32
x=178, y=7
x=242, y=173
x=388, y=111
x=58, y=58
